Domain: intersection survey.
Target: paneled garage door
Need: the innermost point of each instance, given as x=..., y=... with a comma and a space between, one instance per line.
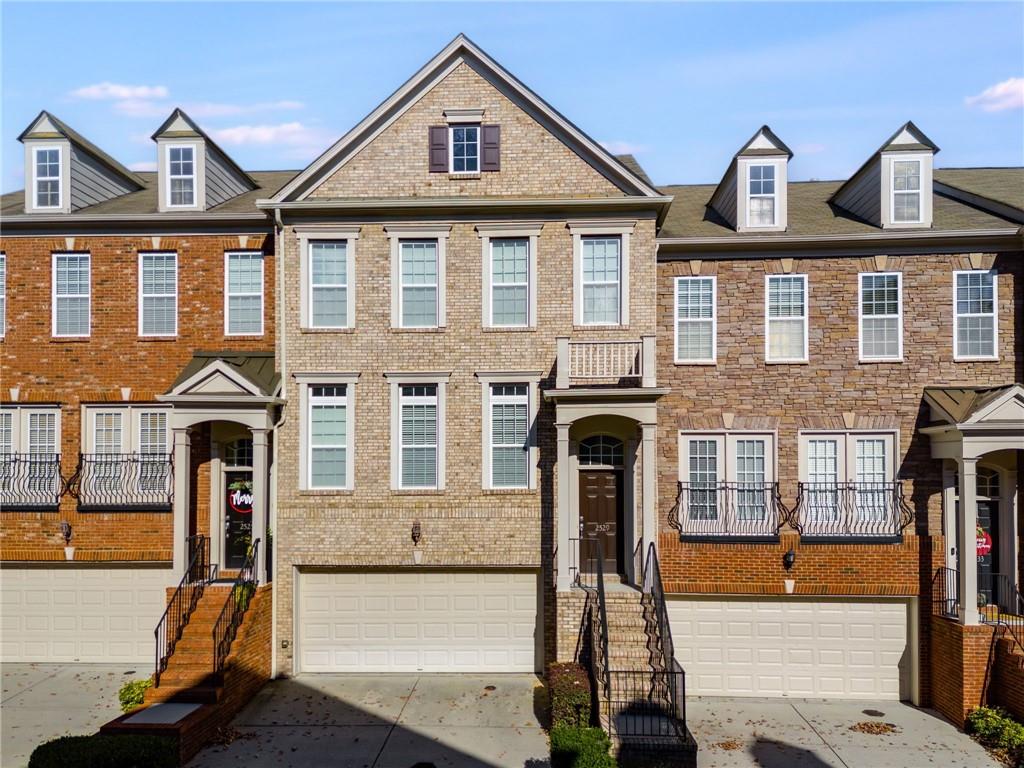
x=418, y=621
x=81, y=614
x=742, y=647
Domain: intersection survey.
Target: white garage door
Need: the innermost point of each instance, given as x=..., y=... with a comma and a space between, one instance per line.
x=81, y=614
x=418, y=621
x=845, y=649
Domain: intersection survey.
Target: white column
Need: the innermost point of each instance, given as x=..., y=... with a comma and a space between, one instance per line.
x=967, y=544
x=649, y=487
x=1009, y=535
x=649, y=356
x=565, y=527
x=260, y=489
x=182, y=471
x=562, y=373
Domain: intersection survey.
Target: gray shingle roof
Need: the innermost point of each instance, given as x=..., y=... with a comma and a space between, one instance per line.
x=1004, y=185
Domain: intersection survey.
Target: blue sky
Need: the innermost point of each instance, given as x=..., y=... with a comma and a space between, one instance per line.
x=681, y=85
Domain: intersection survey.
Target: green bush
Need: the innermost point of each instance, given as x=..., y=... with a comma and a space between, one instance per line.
x=103, y=751
x=132, y=694
x=580, y=748
x=569, y=689
x=996, y=729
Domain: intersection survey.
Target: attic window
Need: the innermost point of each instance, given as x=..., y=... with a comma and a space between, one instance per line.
x=47, y=163
x=906, y=191
x=181, y=176
x=465, y=142
x=761, y=198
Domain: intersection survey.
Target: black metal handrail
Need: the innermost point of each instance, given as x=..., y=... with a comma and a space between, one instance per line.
x=602, y=609
x=741, y=510
x=1000, y=603
x=182, y=603
x=30, y=481
x=676, y=677
x=124, y=481
x=851, y=510
x=946, y=592
x=242, y=591
x=640, y=714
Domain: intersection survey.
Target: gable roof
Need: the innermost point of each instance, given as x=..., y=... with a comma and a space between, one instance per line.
x=65, y=130
x=958, y=405
x=195, y=130
x=921, y=143
x=768, y=133
x=461, y=49
x=254, y=368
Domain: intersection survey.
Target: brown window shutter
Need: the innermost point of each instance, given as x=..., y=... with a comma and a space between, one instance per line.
x=439, y=149
x=491, y=156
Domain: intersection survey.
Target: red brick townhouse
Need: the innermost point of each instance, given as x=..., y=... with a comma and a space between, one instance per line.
x=138, y=384
x=838, y=485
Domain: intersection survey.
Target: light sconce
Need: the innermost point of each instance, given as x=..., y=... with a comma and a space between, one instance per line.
x=789, y=559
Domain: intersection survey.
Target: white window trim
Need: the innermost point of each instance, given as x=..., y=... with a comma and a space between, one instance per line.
x=846, y=458
x=396, y=234
x=713, y=360
x=487, y=232
x=727, y=440
x=143, y=254
x=898, y=358
x=131, y=425
x=19, y=424
x=194, y=176
x=59, y=177
x=262, y=294
x=892, y=190
x=532, y=380
x=479, y=147
x=53, y=296
x=580, y=229
x=774, y=196
x=806, y=318
x=957, y=357
x=308, y=235
x=395, y=382
x=305, y=381
x=3, y=296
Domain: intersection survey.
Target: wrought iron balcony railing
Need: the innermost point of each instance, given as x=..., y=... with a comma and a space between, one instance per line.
x=30, y=482
x=844, y=511
x=728, y=510
x=107, y=482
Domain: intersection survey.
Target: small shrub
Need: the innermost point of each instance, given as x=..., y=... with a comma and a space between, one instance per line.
x=133, y=693
x=994, y=728
x=569, y=689
x=105, y=751
x=580, y=748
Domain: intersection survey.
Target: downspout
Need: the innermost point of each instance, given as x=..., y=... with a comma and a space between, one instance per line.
x=281, y=342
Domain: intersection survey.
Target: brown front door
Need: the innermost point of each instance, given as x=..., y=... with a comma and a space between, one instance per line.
x=601, y=519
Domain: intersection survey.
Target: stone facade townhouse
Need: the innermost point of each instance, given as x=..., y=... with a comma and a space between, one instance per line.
x=506, y=394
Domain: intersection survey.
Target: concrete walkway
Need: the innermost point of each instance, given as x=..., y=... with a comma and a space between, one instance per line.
x=815, y=733
x=389, y=721
x=43, y=701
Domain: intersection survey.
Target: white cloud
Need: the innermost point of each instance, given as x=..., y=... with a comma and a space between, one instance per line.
x=1008, y=94
x=298, y=140
x=624, y=147
x=809, y=149
x=142, y=108
x=201, y=109
x=107, y=91
x=143, y=165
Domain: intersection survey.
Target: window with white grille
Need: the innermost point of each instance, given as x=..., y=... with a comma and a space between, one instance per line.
x=975, y=325
x=418, y=435
x=695, y=320
x=601, y=264
x=419, y=284
x=881, y=316
x=244, y=294
x=509, y=432
x=328, y=436
x=71, y=294
x=328, y=284
x=786, y=319
x=158, y=294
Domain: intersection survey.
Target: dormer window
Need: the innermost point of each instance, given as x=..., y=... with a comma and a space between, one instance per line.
x=465, y=143
x=906, y=191
x=47, y=179
x=761, y=197
x=181, y=176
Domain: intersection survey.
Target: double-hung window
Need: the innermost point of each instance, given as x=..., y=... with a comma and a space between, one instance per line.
x=107, y=447
x=881, y=316
x=328, y=421
x=47, y=177
x=158, y=294
x=510, y=426
x=419, y=289
x=510, y=281
x=418, y=435
x=703, y=477
x=975, y=321
x=465, y=142
x=786, y=318
x=906, y=191
x=243, y=289
x=761, y=196
x=154, y=451
x=695, y=320
x=181, y=176
x=601, y=264
x=71, y=289
x=328, y=284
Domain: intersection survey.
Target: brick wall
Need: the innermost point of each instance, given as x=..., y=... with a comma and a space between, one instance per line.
x=93, y=370
x=960, y=662
x=1007, y=689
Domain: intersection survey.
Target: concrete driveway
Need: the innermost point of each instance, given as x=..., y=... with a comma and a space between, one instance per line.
x=43, y=701
x=388, y=721
x=815, y=733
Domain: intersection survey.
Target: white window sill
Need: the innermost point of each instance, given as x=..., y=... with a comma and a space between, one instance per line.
x=418, y=329
x=804, y=361
x=994, y=359
x=509, y=329
x=875, y=360
x=695, y=362
x=344, y=329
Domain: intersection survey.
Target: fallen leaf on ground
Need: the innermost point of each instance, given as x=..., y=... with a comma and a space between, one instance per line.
x=878, y=729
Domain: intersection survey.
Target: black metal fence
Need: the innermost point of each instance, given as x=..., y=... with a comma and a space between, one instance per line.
x=182, y=603
x=1000, y=603
x=643, y=706
x=728, y=510
x=851, y=511
x=30, y=482
x=946, y=592
x=237, y=604
x=124, y=481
